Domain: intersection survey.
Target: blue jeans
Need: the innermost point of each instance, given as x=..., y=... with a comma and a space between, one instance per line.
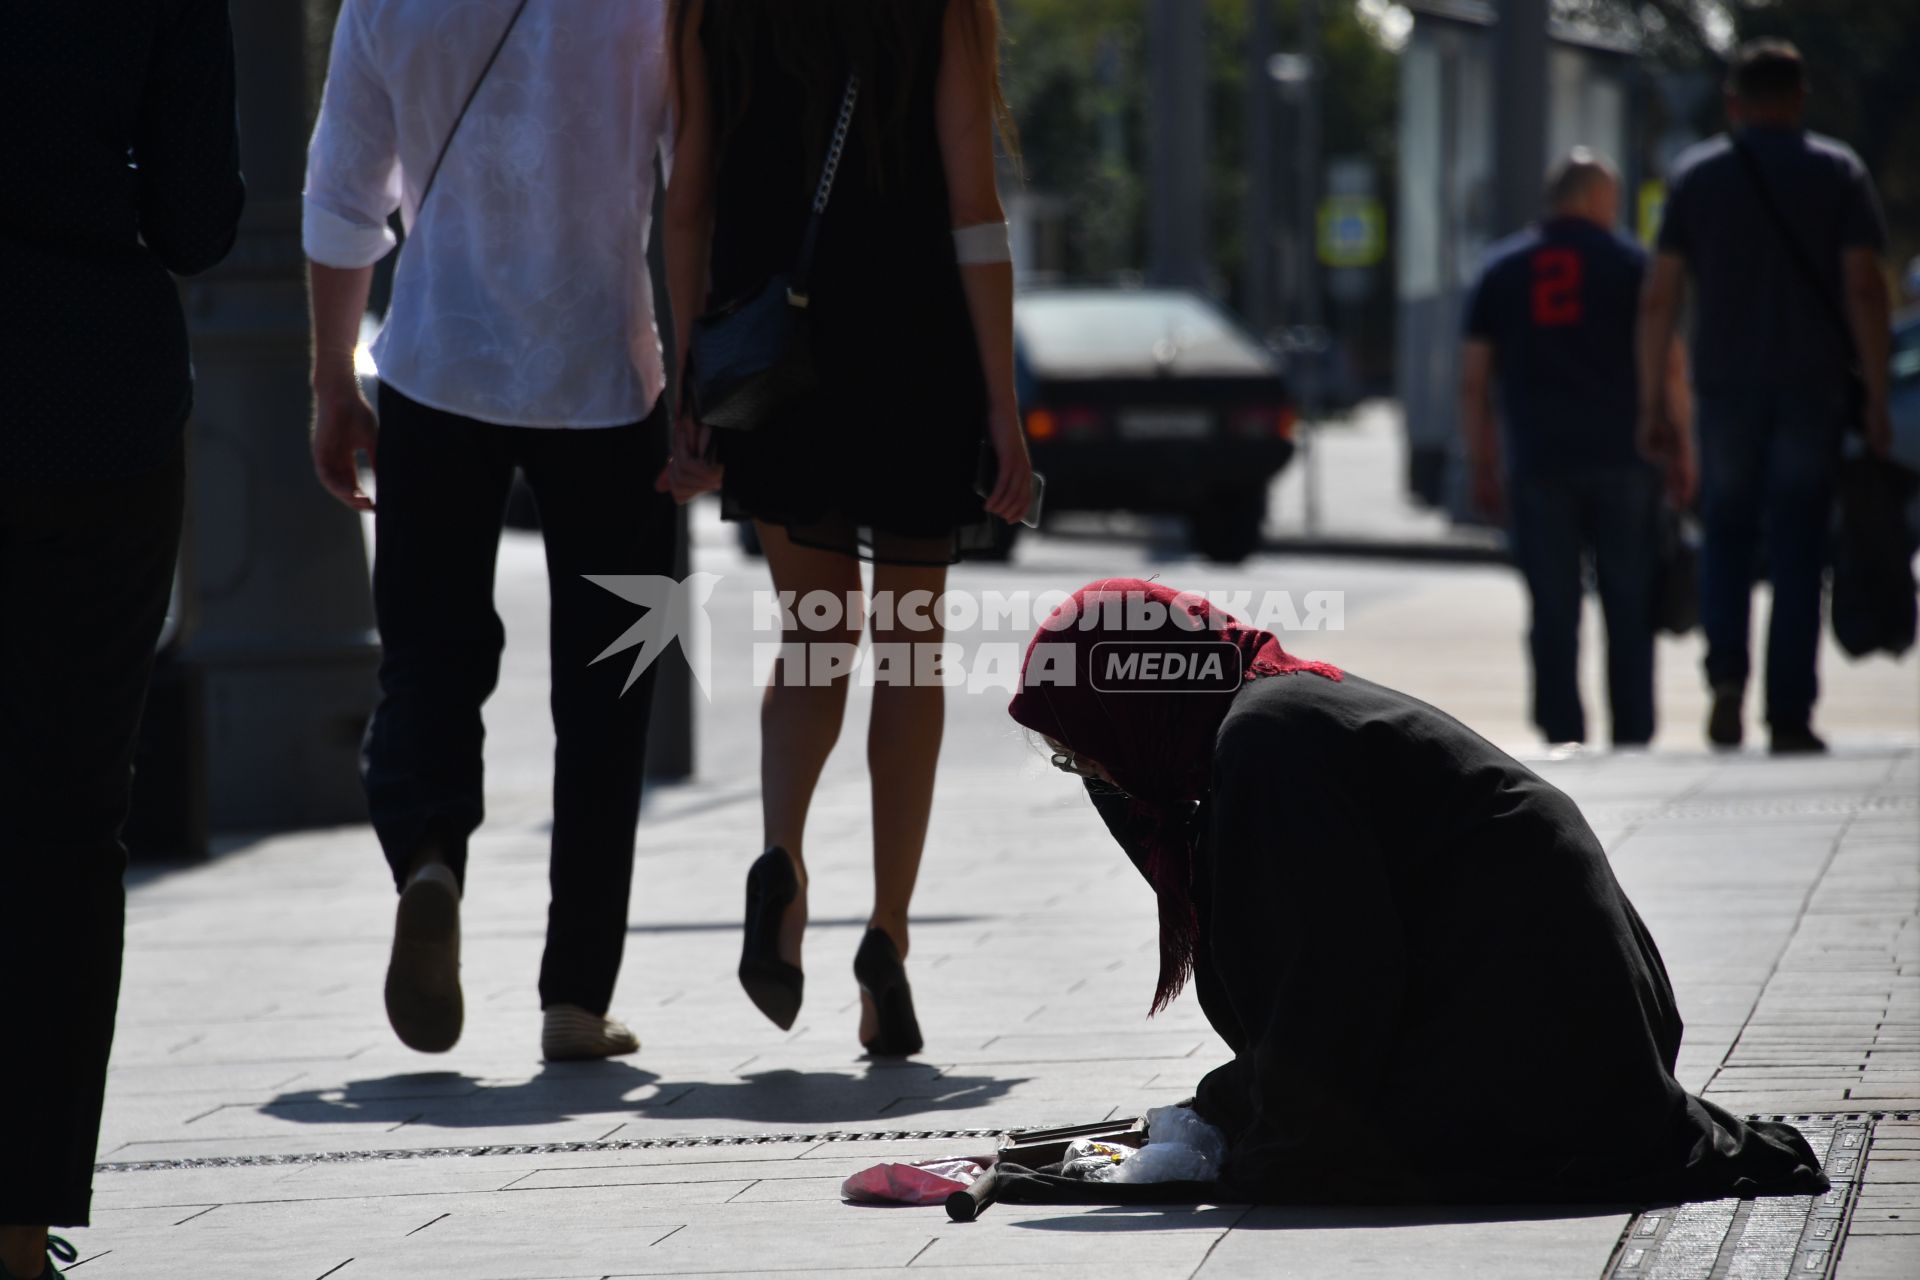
x=1613, y=514
x=1768, y=462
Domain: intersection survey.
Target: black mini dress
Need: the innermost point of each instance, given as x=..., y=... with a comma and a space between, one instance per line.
x=880, y=462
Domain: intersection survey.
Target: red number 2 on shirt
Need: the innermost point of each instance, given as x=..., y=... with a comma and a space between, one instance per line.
x=1556, y=288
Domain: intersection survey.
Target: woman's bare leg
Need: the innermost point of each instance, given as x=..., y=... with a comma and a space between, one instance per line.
x=799, y=720
x=23, y=1250
x=903, y=750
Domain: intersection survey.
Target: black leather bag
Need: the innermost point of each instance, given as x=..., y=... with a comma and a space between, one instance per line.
x=752, y=358
x=1873, y=607
x=1676, y=605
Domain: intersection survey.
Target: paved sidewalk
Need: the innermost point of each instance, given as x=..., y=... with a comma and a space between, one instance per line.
x=1782, y=893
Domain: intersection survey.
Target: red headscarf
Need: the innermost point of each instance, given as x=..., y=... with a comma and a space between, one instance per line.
x=1157, y=745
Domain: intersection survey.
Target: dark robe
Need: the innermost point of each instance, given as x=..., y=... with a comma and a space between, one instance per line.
x=1434, y=988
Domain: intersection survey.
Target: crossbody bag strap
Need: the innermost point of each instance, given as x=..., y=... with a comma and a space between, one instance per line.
x=802, y=268
x=1796, y=251
x=486, y=69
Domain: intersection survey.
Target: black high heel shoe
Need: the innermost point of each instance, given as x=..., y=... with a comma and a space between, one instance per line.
x=882, y=976
x=771, y=983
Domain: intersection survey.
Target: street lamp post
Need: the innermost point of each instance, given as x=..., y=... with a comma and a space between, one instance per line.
x=1177, y=101
x=276, y=623
x=1257, y=285
x=1519, y=112
x=1298, y=75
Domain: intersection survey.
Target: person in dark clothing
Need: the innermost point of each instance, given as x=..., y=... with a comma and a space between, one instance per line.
x=1780, y=232
x=1551, y=321
x=123, y=167
x=910, y=333
x=1432, y=984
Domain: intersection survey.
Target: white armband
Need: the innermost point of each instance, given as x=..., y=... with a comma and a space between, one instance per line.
x=984, y=242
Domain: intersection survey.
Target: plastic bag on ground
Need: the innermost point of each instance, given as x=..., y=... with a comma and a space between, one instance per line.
x=929, y=1182
x=1165, y=1162
x=1181, y=1147
x=1182, y=1126
x=1094, y=1161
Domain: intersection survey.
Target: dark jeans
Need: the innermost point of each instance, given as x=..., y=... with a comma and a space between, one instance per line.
x=1612, y=513
x=85, y=576
x=1768, y=463
x=443, y=484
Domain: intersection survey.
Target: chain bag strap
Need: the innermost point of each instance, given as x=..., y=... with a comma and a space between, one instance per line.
x=803, y=267
x=752, y=359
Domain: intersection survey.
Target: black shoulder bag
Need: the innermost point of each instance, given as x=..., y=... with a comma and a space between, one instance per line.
x=752, y=358
x=1856, y=409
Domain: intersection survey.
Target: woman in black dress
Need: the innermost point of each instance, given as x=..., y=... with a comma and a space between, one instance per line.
x=1434, y=988
x=911, y=322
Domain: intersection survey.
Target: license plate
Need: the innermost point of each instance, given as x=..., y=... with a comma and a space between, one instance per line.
x=1165, y=424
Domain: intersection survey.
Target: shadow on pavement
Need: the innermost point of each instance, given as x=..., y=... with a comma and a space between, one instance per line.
x=1123, y=1218
x=885, y=1093
x=823, y=922
x=881, y=1094
x=451, y=1099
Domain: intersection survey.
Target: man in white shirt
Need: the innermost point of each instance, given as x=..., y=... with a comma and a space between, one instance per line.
x=520, y=334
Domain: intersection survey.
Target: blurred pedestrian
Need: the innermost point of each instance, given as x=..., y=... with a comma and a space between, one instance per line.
x=1779, y=231
x=1551, y=323
x=1433, y=987
x=911, y=323
x=517, y=143
x=122, y=166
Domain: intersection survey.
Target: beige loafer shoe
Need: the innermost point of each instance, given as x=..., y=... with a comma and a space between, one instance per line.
x=571, y=1034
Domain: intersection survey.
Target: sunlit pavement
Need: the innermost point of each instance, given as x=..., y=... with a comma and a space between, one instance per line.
x=1782, y=893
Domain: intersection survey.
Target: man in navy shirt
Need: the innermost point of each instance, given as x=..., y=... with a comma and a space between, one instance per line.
x=1552, y=322
x=1781, y=234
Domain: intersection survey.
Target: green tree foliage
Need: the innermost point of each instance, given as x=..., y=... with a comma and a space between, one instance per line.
x=1077, y=80
x=1861, y=56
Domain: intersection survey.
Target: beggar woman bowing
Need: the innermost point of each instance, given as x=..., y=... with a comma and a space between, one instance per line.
x=1432, y=984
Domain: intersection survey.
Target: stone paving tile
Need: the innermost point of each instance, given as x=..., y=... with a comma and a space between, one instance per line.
x=1780, y=896
x=1869, y=1257
x=1354, y=1245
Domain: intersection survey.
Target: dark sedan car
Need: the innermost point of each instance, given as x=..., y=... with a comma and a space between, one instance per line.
x=1153, y=401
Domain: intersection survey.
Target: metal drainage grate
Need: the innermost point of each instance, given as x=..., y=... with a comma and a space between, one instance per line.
x=1771, y=1238
x=544, y=1149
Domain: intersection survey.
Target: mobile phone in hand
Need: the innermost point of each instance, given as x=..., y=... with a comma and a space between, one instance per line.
x=987, y=474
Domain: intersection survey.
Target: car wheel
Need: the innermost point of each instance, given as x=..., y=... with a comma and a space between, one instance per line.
x=1227, y=529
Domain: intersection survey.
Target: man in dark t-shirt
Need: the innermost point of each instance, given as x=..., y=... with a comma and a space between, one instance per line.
x=1780, y=232
x=1551, y=322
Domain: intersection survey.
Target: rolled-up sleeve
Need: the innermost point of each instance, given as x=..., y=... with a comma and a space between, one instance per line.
x=353, y=163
